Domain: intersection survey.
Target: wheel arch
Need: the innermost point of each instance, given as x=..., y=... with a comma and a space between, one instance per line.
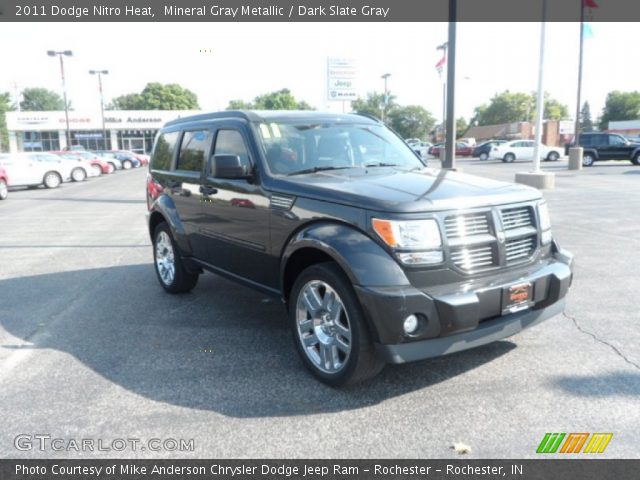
x=164, y=210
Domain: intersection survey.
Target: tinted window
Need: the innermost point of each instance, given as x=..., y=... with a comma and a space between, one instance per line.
x=193, y=150
x=586, y=140
x=599, y=140
x=230, y=142
x=616, y=140
x=163, y=153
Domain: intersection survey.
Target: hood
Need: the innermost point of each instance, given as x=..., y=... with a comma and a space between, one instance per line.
x=393, y=190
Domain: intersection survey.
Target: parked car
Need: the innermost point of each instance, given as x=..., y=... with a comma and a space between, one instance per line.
x=483, y=151
x=34, y=169
x=437, y=146
x=129, y=160
x=607, y=146
x=377, y=258
x=4, y=184
x=421, y=148
x=94, y=165
x=108, y=157
x=523, y=150
x=462, y=149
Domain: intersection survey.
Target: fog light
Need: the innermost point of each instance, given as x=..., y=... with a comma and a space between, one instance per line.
x=410, y=324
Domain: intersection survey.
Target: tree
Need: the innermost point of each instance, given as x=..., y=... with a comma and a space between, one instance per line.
x=156, y=96
x=281, y=99
x=373, y=104
x=508, y=107
x=41, y=99
x=461, y=127
x=620, y=106
x=586, y=124
x=411, y=121
x=5, y=106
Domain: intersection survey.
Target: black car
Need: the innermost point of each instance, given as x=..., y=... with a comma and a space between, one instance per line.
x=377, y=258
x=607, y=146
x=483, y=150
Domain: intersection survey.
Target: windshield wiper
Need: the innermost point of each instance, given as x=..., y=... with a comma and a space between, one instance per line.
x=315, y=169
x=380, y=164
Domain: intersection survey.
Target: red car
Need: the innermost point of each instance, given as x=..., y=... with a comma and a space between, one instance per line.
x=4, y=184
x=462, y=150
x=95, y=161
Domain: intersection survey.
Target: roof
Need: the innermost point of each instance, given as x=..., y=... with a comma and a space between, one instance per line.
x=278, y=116
x=487, y=132
x=622, y=125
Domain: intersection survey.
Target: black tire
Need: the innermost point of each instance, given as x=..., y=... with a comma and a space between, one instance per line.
x=4, y=190
x=114, y=167
x=509, y=158
x=553, y=156
x=182, y=280
x=636, y=159
x=78, y=174
x=127, y=165
x=52, y=180
x=588, y=159
x=361, y=363
x=484, y=156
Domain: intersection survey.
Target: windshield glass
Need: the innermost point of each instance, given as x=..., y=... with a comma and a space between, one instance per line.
x=295, y=147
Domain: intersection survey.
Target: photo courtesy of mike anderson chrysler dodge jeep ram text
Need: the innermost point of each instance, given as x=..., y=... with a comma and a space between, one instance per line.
x=378, y=258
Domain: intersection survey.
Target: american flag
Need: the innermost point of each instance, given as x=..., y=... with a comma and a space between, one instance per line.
x=440, y=65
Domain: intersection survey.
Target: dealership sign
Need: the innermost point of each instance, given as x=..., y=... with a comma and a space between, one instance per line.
x=566, y=127
x=341, y=79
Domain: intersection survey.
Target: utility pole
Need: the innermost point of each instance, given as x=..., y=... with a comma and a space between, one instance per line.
x=450, y=140
x=104, y=129
x=386, y=95
x=65, y=53
x=443, y=47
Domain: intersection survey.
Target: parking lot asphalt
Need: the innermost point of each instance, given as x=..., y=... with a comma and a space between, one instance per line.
x=92, y=348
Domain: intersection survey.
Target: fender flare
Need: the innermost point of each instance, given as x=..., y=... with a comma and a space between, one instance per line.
x=592, y=152
x=165, y=207
x=364, y=261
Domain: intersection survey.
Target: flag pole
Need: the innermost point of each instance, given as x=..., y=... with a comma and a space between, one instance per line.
x=576, y=134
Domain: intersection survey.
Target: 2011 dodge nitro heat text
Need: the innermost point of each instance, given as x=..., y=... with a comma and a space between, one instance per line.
x=377, y=257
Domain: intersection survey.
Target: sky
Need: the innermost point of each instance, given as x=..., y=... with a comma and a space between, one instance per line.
x=225, y=61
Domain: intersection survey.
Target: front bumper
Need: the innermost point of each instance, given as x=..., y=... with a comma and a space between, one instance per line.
x=458, y=317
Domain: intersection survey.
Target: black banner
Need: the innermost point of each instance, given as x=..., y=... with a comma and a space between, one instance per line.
x=318, y=469
x=312, y=10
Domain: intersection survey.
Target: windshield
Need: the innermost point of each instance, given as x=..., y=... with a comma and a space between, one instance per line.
x=301, y=147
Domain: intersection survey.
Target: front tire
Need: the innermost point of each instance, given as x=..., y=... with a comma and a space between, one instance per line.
x=509, y=158
x=329, y=328
x=97, y=169
x=78, y=175
x=170, y=269
x=553, y=157
x=636, y=159
x=484, y=156
x=4, y=190
x=127, y=165
x=52, y=180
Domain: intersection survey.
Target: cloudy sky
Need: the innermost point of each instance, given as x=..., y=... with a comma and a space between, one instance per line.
x=243, y=60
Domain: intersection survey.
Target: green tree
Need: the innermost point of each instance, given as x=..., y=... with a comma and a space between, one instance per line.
x=508, y=107
x=411, y=121
x=41, y=99
x=373, y=104
x=620, y=106
x=156, y=96
x=586, y=123
x=553, y=109
x=281, y=99
x=461, y=127
x=5, y=106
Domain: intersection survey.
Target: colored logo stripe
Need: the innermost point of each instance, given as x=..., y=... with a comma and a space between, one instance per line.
x=598, y=442
x=550, y=443
x=574, y=442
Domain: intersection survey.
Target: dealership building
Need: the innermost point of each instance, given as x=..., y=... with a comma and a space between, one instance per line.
x=125, y=130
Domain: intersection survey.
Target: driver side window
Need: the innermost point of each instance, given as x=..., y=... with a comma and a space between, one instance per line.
x=230, y=142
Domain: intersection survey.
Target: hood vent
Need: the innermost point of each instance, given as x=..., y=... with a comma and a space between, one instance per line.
x=282, y=202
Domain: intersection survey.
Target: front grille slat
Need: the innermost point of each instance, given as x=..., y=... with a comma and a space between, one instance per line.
x=473, y=258
x=465, y=225
x=516, y=217
x=520, y=249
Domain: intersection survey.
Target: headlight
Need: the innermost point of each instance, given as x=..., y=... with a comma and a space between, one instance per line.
x=414, y=234
x=545, y=222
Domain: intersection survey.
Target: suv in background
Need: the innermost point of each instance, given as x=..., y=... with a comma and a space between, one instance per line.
x=377, y=258
x=608, y=146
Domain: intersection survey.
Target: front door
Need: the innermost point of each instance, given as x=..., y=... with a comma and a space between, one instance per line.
x=236, y=214
x=135, y=145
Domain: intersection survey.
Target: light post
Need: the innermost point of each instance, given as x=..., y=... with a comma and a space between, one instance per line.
x=386, y=95
x=64, y=53
x=443, y=47
x=104, y=130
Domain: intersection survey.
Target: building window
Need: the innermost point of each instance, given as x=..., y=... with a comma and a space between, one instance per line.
x=39, y=141
x=136, y=141
x=91, y=139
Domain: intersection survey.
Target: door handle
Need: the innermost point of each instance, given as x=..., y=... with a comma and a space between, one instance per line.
x=208, y=190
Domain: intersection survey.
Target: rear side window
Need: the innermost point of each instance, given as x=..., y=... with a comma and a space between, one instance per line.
x=164, y=150
x=230, y=142
x=586, y=140
x=193, y=150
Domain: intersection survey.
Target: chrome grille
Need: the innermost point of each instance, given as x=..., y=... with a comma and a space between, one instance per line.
x=520, y=249
x=516, y=217
x=473, y=258
x=457, y=226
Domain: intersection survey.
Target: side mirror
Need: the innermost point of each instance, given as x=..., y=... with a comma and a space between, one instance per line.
x=228, y=166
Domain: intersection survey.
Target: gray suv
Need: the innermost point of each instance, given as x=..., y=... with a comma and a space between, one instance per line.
x=377, y=258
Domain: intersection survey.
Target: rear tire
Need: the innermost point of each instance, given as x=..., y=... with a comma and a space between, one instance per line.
x=52, y=180
x=636, y=159
x=127, y=165
x=113, y=167
x=484, y=156
x=329, y=328
x=97, y=169
x=588, y=159
x=78, y=175
x=509, y=158
x=170, y=268
x=553, y=156
x=4, y=191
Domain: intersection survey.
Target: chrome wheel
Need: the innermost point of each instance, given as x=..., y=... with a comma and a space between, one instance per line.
x=323, y=326
x=587, y=160
x=52, y=180
x=78, y=175
x=127, y=165
x=165, y=258
x=4, y=191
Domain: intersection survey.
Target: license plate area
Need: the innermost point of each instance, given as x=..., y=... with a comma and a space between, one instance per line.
x=517, y=297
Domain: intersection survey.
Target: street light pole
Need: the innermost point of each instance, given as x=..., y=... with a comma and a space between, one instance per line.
x=386, y=95
x=104, y=129
x=450, y=141
x=64, y=53
x=443, y=47
x=540, y=99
